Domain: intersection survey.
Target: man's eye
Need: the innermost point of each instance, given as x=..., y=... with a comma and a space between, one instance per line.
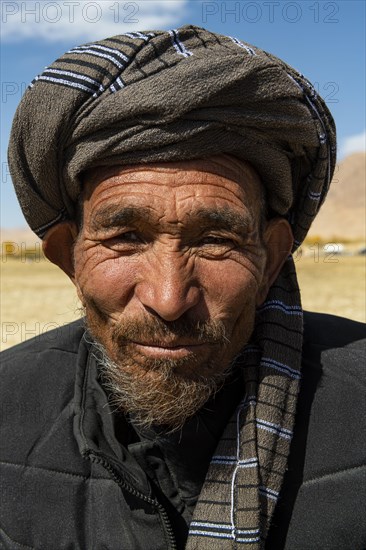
x=123, y=239
x=129, y=236
x=218, y=241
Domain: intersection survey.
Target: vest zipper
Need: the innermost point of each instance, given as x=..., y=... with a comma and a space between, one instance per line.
x=124, y=485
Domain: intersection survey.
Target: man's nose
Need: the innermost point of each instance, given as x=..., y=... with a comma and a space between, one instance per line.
x=168, y=287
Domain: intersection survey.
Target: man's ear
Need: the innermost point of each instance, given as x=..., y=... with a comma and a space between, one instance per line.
x=278, y=240
x=58, y=246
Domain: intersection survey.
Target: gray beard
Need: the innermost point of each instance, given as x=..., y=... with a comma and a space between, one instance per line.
x=155, y=395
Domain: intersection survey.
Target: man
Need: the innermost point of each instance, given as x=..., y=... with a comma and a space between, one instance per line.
x=170, y=175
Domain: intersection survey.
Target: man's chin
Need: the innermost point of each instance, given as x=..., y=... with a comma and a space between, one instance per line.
x=160, y=373
x=156, y=390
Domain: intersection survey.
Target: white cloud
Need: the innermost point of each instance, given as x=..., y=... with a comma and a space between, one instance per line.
x=86, y=20
x=353, y=144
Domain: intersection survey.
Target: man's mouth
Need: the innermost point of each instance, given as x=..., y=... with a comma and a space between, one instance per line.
x=171, y=350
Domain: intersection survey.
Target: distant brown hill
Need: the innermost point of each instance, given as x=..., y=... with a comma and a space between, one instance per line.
x=343, y=214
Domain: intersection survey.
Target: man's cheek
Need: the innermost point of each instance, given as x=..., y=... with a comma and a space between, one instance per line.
x=108, y=283
x=234, y=291
x=240, y=308
x=87, y=258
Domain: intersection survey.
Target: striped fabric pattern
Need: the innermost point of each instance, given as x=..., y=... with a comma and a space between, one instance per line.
x=183, y=94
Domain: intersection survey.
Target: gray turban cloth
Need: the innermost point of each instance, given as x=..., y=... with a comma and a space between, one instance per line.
x=182, y=94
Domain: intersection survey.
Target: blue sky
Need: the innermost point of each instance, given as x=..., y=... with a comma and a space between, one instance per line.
x=324, y=40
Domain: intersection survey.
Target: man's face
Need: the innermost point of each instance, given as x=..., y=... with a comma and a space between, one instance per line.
x=170, y=265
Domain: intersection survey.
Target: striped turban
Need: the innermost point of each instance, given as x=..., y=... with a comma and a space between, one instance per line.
x=183, y=94
x=164, y=96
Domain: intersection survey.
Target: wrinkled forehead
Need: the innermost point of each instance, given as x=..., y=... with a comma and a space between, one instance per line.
x=225, y=167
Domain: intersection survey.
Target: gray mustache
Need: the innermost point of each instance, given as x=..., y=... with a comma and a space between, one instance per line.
x=155, y=330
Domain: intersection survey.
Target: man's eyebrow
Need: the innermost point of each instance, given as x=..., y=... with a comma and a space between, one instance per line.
x=223, y=218
x=205, y=217
x=113, y=216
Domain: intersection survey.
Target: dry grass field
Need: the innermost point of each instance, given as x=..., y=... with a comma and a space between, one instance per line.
x=337, y=286
x=37, y=296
